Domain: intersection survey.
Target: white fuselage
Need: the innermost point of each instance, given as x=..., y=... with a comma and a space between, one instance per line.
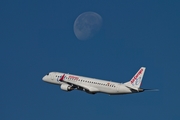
x=90, y=85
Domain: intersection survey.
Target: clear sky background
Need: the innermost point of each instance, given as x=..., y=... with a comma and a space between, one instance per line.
x=36, y=37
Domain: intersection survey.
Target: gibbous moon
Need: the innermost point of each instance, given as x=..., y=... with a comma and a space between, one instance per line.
x=87, y=25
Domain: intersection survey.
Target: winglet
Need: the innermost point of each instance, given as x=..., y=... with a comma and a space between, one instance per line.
x=61, y=79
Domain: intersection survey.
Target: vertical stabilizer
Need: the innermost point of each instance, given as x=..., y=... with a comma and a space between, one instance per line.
x=135, y=82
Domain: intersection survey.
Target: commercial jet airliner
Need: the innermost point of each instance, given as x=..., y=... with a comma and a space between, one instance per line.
x=69, y=82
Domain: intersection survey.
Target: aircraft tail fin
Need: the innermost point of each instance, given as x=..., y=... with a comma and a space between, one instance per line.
x=135, y=82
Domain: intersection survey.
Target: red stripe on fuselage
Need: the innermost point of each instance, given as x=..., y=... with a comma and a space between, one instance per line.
x=61, y=79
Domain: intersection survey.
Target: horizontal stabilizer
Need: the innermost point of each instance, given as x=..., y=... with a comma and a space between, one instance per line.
x=150, y=89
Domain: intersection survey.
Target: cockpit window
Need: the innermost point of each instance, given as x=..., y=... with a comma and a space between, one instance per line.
x=47, y=74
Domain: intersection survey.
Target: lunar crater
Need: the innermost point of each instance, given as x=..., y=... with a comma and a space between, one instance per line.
x=87, y=25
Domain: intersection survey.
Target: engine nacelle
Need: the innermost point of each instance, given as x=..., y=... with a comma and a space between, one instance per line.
x=66, y=87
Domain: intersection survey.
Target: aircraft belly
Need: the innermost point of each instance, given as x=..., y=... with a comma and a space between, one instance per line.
x=123, y=90
x=107, y=90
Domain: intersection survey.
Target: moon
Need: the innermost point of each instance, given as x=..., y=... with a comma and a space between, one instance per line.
x=87, y=25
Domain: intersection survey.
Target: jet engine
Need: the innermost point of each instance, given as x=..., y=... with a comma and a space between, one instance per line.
x=66, y=87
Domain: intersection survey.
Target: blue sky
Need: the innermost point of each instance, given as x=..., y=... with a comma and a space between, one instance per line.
x=37, y=37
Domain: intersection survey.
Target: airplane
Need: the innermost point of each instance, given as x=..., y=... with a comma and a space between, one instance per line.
x=69, y=82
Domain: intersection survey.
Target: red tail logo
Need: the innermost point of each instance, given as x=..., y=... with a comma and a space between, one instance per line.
x=136, y=76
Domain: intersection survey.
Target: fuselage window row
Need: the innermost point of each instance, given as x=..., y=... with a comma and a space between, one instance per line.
x=87, y=81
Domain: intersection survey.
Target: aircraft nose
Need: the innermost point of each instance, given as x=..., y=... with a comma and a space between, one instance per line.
x=44, y=78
